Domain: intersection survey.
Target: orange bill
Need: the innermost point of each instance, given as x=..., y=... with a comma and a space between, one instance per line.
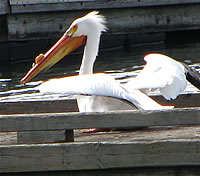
x=64, y=46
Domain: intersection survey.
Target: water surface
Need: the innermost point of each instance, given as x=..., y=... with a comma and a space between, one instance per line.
x=118, y=61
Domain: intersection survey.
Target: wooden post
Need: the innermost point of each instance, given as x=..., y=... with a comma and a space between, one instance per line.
x=69, y=135
x=33, y=137
x=4, y=7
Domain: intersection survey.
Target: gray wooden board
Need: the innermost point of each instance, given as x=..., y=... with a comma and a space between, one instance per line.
x=8, y=138
x=122, y=135
x=140, y=171
x=131, y=135
x=16, y=106
x=4, y=7
x=154, y=133
x=38, y=106
x=182, y=101
x=76, y=120
x=148, y=19
x=3, y=31
x=32, y=137
x=99, y=155
x=24, y=6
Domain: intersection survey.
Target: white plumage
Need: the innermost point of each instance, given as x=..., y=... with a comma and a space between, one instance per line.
x=99, y=85
x=160, y=72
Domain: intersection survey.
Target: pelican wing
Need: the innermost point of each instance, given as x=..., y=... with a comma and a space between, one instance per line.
x=88, y=84
x=99, y=85
x=163, y=73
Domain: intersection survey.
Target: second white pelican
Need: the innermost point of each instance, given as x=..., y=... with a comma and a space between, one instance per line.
x=160, y=72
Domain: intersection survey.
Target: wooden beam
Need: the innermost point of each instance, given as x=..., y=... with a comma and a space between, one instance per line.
x=140, y=171
x=15, y=106
x=182, y=101
x=76, y=120
x=32, y=6
x=4, y=7
x=32, y=137
x=3, y=32
x=95, y=155
x=38, y=106
x=148, y=19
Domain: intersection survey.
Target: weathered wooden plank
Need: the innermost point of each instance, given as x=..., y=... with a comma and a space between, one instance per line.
x=3, y=29
x=153, y=133
x=182, y=101
x=42, y=106
x=4, y=7
x=148, y=19
x=24, y=6
x=32, y=137
x=39, y=23
x=59, y=121
x=38, y=106
x=70, y=105
x=35, y=137
x=82, y=156
x=141, y=171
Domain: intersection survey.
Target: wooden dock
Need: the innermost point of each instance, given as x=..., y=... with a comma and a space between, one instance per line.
x=154, y=142
x=45, y=137
x=65, y=104
x=33, y=19
x=29, y=27
x=174, y=146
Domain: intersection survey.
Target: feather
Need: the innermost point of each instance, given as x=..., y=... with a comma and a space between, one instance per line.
x=98, y=85
x=163, y=73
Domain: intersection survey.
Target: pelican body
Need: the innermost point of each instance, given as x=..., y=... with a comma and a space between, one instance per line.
x=161, y=72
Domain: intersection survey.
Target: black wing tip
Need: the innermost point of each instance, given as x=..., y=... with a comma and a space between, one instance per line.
x=192, y=75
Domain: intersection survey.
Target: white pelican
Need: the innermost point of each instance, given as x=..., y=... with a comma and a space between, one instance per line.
x=160, y=72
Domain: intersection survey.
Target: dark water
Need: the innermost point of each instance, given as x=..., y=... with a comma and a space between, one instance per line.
x=119, y=61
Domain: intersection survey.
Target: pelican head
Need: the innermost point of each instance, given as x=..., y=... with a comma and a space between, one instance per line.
x=85, y=30
x=84, y=26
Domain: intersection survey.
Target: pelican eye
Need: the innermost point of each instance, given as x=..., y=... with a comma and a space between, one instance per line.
x=72, y=30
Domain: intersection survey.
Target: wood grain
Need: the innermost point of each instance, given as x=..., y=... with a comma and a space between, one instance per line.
x=31, y=137
x=38, y=106
x=76, y=120
x=4, y=7
x=138, y=19
x=76, y=156
x=140, y=171
x=15, y=106
x=24, y=6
